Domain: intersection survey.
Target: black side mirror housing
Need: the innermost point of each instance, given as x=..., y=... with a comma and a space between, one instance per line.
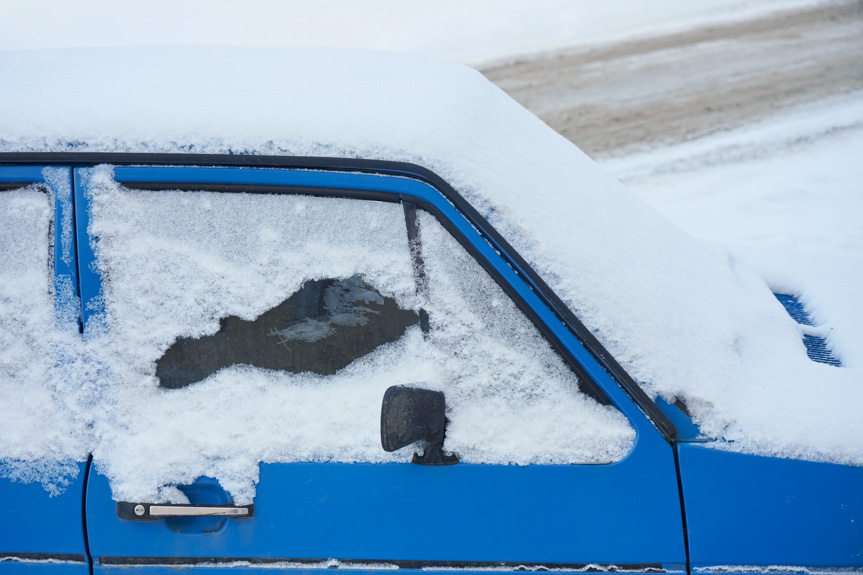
x=411, y=414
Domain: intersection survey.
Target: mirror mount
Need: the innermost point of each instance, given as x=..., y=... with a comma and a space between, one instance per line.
x=434, y=455
x=410, y=415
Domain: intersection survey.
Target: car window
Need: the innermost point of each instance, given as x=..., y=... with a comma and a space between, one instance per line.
x=41, y=439
x=244, y=328
x=511, y=397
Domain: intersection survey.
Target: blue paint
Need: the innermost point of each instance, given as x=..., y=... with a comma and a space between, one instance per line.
x=750, y=510
x=21, y=174
x=621, y=513
x=204, y=491
x=686, y=430
x=31, y=521
x=776, y=570
x=626, y=512
x=741, y=510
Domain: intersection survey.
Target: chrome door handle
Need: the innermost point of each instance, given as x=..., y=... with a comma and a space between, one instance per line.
x=153, y=511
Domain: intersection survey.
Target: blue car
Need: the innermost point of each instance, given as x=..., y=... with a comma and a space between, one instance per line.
x=249, y=356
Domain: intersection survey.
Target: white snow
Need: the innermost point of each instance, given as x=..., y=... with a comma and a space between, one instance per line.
x=790, y=182
x=470, y=31
x=42, y=437
x=687, y=319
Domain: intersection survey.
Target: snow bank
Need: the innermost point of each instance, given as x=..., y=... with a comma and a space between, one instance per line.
x=687, y=321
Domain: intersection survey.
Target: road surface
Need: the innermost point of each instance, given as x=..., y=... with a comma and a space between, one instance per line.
x=625, y=97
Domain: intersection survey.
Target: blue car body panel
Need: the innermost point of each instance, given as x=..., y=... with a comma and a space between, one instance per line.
x=463, y=513
x=246, y=568
x=33, y=524
x=38, y=532
x=44, y=567
x=747, y=510
x=623, y=513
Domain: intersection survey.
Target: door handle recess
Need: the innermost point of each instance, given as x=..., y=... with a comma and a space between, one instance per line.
x=153, y=511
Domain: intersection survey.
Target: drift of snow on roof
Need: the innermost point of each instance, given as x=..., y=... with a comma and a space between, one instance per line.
x=685, y=320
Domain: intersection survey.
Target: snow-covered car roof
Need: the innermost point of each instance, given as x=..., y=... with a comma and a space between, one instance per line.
x=685, y=319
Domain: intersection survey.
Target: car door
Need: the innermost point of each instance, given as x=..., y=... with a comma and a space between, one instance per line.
x=747, y=512
x=380, y=281
x=42, y=474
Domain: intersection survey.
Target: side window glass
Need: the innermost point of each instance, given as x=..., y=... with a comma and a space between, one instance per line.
x=26, y=284
x=511, y=398
x=246, y=328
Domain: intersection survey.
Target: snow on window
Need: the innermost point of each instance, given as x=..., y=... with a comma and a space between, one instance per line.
x=176, y=264
x=42, y=437
x=511, y=397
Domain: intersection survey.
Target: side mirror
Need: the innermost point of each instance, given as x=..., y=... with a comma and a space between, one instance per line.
x=409, y=415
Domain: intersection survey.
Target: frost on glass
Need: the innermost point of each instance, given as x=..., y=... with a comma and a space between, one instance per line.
x=41, y=438
x=175, y=265
x=510, y=397
x=301, y=272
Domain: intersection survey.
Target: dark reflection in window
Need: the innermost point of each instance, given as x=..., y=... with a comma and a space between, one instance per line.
x=321, y=328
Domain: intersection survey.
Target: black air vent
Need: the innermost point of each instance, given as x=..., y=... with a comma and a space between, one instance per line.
x=816, y=347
